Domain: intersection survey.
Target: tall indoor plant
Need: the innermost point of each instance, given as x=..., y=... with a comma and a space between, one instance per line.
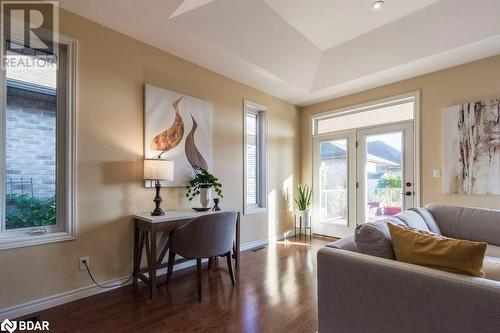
x=304, y=201
x=202, y=184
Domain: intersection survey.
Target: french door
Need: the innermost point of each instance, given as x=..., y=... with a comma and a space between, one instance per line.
x=385, y=171
x=334, y=196
x=362, y=175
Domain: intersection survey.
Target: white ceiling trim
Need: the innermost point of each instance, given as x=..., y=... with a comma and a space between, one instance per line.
x=450, y=58
x=447, y=26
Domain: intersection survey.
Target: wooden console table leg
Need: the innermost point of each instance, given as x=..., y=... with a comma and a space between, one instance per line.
x=152, y=263
x=136, y=255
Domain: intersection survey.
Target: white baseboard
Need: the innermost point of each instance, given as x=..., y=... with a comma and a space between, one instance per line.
x=58, y=299
x=73, y=295
x=254, y=244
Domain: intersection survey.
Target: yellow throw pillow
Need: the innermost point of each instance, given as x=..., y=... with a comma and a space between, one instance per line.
x=434, y=251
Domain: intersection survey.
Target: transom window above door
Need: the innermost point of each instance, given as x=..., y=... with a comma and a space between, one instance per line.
x=365, y=116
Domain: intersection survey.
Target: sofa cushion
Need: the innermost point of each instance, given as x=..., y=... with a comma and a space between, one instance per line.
x=413, y=219
x=428, y=219
x=491, y=268
x=346, y=243
x=475, y=224
x=434, y=251
x=374, y=239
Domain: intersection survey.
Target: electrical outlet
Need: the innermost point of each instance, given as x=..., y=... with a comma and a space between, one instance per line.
x=82, y=265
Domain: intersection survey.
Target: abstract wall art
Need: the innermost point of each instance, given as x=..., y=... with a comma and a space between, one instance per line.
x=179, y=127
x=472, y=148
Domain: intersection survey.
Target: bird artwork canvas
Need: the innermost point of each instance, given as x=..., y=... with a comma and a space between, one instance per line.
x=179, y=128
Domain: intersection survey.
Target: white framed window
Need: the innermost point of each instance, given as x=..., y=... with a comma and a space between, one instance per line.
x=386, y=111
x=37, y=147
x=255, y=158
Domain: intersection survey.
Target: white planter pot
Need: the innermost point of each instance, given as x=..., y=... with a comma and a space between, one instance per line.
x=205, y=196
x=305, y=215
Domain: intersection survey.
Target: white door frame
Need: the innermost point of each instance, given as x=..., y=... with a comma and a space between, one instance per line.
x=413, y=96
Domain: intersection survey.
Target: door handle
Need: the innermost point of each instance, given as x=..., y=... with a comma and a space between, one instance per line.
x=408, y=193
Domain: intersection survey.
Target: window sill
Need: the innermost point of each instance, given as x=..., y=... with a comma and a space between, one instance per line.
x=254, y=210
x=7, y=243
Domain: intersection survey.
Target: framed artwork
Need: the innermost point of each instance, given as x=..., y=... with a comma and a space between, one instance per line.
x=179, y=127
x=472, y=148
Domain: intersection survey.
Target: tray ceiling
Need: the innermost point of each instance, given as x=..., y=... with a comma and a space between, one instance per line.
x=304, y=51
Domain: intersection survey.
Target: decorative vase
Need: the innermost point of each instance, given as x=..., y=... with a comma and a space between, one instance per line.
x=205, y=196
x=305, y=215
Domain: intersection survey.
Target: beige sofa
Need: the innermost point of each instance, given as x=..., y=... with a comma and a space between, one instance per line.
x=363, y=293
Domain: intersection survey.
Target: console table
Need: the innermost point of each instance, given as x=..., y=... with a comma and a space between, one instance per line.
x=146, y=230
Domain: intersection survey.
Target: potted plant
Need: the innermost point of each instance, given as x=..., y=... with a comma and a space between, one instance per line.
x=202, y=184
x=304, y=201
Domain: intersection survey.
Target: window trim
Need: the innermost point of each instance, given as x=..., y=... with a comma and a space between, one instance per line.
x=262, y=158
x=67, y=228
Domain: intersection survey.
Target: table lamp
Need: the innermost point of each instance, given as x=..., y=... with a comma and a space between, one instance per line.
x=158, y=169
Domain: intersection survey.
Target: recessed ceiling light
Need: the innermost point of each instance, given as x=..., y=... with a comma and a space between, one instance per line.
x=377, y=5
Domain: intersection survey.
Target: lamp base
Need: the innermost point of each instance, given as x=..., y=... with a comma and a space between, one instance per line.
x=157, y=212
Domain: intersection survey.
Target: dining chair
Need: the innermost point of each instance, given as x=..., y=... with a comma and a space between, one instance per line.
x=207, y=236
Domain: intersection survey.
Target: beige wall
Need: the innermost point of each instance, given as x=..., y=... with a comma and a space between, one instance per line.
x=112, y=70
x=449, y=87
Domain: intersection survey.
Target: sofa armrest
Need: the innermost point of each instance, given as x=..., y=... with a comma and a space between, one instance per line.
x=346, y=243
x=360, y=293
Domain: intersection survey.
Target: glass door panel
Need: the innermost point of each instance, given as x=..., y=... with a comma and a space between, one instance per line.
x=333, y=181
x=334, y=184
x=383, y=175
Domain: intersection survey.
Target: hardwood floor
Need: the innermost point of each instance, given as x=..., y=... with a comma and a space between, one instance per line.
x=275, y=292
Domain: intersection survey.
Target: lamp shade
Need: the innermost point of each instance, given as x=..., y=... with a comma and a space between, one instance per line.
x=158, y=169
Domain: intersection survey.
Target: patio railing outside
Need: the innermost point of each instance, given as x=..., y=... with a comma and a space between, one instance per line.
x=382, y=202
x=333, y=205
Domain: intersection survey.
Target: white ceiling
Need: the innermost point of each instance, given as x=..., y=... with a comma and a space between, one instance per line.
x=328, y=23
x=304, y=51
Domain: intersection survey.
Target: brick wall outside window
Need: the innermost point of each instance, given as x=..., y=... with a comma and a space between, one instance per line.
x=30, y=148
